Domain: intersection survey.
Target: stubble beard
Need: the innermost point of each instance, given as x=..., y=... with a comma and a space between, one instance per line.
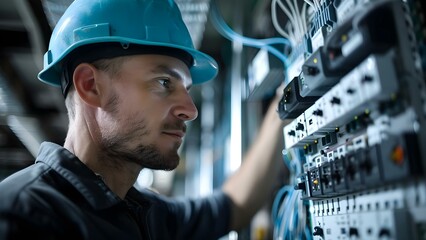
x=117, y=146
x=146, y=156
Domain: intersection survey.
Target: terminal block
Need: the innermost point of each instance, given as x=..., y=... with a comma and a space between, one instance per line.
x=292, y=104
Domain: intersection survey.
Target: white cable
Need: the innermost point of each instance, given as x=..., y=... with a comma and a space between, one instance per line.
x=311, y=4
x=300, y=20
x=316, y=5
x=292, y=35
x=304, y=23
x=275, y=20
x=276, y=23
x=295, y=20
x=291, y=18
x=287, y=12
x=319, y=3
x=277, y=26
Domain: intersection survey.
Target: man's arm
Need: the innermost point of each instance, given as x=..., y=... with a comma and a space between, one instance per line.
x=253, y=183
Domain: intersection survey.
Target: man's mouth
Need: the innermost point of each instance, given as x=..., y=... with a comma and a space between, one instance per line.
x=175, y=133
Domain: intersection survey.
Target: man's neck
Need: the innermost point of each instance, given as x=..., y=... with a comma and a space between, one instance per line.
x=118, y=175
x=118, y=178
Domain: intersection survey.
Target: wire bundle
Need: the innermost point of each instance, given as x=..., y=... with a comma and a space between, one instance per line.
x=297, y=25
x=288, y=211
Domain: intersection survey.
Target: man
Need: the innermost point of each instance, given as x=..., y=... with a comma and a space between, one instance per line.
x=125, y=68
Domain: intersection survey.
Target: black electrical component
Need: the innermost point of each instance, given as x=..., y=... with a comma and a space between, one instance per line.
x=318, y=231
x=292, y=104
x=347, y=46
x=338, y=175
x=329, y=139
x=326, y=180
x=326, y=16
x=315, y=79
x=353, y=232
x=314, y=179
x=359, y=123
x=370, y=166
x=310, y=149
x=353, y=173
x=301, y=185
x=371, y=31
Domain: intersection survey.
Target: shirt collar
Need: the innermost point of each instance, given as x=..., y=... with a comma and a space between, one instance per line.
x=66, y=164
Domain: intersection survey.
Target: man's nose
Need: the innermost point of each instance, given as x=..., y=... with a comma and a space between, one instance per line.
x=185, y=108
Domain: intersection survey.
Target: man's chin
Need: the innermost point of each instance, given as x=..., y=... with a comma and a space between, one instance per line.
x=171, y=164
x=166, y=163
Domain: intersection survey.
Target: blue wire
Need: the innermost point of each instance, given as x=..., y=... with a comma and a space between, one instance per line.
x=278, y=199
x=283, y=212
x=287, y=211
x=308, y=234
x=288, y=161
x=293, y=158
x=295, y=216
x=228, y=33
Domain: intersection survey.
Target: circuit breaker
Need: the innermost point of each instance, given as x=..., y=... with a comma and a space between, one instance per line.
x=358, y=132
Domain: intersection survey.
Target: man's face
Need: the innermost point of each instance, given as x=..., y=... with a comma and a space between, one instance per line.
x=144, y=111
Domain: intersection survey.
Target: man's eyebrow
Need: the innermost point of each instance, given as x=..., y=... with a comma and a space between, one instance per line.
x=169, y=71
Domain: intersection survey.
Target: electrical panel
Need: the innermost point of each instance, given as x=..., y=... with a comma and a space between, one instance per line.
x=356, y=146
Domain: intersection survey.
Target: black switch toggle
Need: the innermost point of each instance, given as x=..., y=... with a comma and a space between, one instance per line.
x=353, y=232
x=367, y=78
x=300, y=186
x=335, y=100
x=384, y=232
x=312, y=71
x=318, y=232
x=317, y=112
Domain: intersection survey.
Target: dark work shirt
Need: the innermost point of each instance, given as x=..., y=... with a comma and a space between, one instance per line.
x=59, y=197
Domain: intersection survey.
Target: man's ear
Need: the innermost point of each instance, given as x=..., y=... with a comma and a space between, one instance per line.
x=85, y=79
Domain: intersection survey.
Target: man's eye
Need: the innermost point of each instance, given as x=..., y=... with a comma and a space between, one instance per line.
x=165, y=82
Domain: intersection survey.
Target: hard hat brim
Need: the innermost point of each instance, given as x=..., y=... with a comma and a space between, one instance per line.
x=204, y=67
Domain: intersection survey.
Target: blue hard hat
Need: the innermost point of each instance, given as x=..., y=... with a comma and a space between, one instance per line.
x=153, y=23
